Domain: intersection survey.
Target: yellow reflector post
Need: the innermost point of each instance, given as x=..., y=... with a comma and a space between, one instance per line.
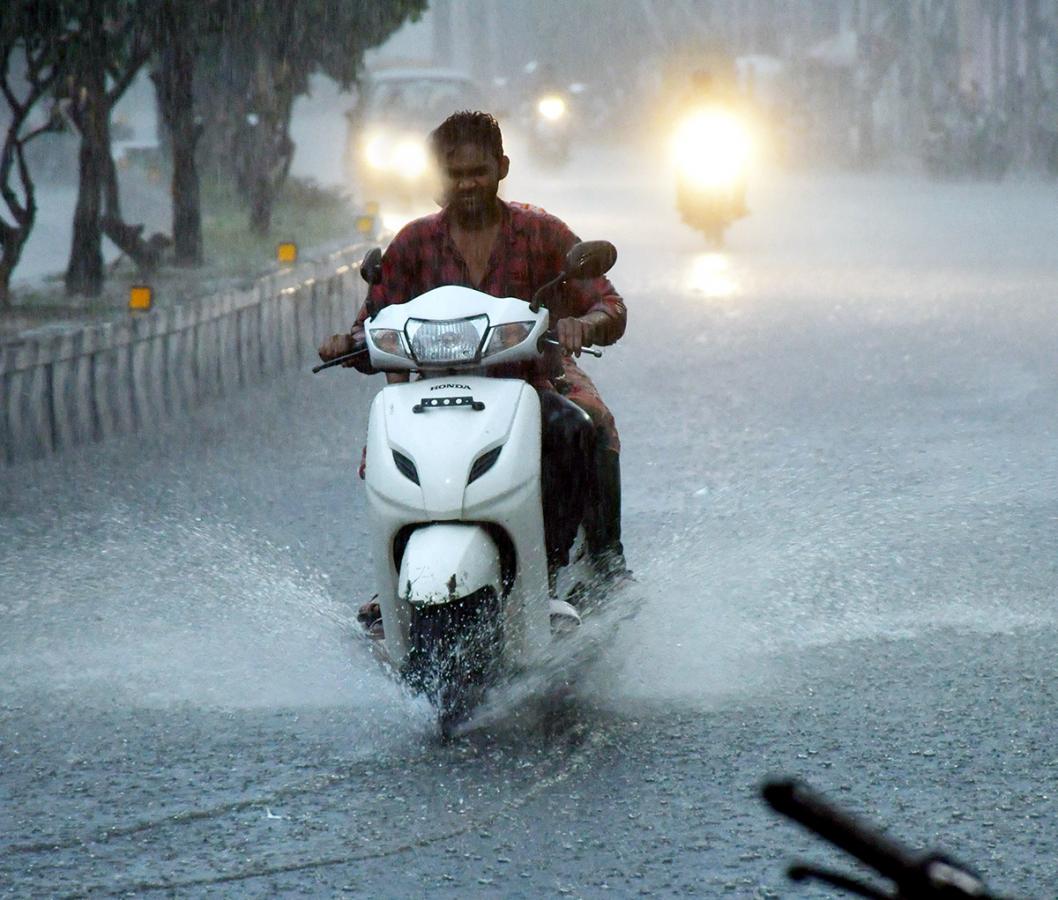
x=287, y=252
x=371, y=207
x=140, y=296
x=365, y=224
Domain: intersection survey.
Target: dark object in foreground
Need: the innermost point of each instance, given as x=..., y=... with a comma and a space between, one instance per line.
x=916, y=876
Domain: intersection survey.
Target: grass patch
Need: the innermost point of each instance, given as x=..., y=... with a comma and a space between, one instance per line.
x=312, y=216
x=304, y=212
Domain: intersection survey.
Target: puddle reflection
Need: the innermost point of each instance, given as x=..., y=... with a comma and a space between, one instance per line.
x=710, y=274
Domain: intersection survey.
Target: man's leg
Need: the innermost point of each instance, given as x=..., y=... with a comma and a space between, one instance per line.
x=568, y=448
x=602, y=520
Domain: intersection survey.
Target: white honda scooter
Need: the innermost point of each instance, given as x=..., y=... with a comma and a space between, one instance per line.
x=453, y=482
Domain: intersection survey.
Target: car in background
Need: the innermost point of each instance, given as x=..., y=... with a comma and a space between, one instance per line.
x=386, y=154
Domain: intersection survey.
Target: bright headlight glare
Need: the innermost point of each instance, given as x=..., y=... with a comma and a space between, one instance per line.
x=717, y=172
x=409, y=158
x=389, y=340
x=503, y=337
x=551, y=108
x=376, y=152
x=712, y=148
x=448, y=341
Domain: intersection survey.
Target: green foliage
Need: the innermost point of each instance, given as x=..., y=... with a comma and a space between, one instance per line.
x=308, y=36
x=255, y=64
x=31, y=27
x=111, y=34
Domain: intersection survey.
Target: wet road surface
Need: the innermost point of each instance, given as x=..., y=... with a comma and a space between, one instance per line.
x=841, y=503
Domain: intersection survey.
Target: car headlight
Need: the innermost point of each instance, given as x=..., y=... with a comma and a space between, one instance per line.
x=409, y=158
x=376, y=152
x=389, y=340
x=551, y=108
x=503, y=337
x=447, y=341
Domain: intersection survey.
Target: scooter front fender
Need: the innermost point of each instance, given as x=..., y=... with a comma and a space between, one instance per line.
x=447, y=561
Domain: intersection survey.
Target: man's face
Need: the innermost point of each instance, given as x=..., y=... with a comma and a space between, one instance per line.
x=470, y=180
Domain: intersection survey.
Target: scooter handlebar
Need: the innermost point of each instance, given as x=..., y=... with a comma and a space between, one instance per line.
x=348, y=357
x=338, y=360
x=554, y=342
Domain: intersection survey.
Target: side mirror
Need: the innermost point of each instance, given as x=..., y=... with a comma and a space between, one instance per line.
x=590, y=259
x=371, y=267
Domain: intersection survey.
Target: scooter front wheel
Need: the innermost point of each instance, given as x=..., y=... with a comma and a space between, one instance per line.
x=455, y=650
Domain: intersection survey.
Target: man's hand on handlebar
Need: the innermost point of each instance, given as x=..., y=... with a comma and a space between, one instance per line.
x=343, y=344
x=574, y=334
x=337, y=345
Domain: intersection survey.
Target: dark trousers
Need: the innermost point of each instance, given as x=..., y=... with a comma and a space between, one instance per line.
x=581, y=483
x=568, y=453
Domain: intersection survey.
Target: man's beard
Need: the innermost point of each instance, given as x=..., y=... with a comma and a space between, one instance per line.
x=471, y=209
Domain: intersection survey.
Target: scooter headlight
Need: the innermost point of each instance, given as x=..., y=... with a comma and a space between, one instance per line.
x=503, y=337
x=389, y=340
x=452, y=341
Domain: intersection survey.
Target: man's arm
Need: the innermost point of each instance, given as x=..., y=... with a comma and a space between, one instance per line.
x=589, y=311
x=392, y=289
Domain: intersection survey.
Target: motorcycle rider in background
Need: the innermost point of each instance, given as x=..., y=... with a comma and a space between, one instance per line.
x=708, y=92
x=547, y=116
x=510, y=250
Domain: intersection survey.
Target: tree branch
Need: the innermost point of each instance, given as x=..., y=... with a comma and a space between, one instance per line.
x=50, y=125
x=132, y=35
x=145, y=253
x=12, y=101
x=122, y=84
x=128, y=30
x=18, y=211
x=29, y=211
x=7, y=160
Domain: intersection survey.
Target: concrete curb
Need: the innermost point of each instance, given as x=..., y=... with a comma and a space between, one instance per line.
x=69, y=388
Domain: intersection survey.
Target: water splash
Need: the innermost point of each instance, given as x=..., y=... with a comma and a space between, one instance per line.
x=137, y=611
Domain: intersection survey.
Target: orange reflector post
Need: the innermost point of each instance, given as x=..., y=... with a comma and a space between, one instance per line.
x=140, y=296
x=287, y=252
x=365, y=224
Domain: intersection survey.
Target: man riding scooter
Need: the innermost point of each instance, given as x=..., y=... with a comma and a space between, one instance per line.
x=511, y=250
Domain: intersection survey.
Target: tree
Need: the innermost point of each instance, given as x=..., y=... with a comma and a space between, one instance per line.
x=179, y=31
x=32, y=35
x=261, y=60
x=109, y=44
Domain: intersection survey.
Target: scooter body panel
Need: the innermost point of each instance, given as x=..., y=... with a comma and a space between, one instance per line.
x=443, y=443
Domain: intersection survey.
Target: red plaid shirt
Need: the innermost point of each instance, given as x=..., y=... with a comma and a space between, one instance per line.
x=530, y=250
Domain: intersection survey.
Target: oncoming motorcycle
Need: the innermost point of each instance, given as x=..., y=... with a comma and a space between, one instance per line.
x=453, y=479
x=711, y=151
x=549, y=129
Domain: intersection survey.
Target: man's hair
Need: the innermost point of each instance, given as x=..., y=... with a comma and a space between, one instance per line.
x=466, y=127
